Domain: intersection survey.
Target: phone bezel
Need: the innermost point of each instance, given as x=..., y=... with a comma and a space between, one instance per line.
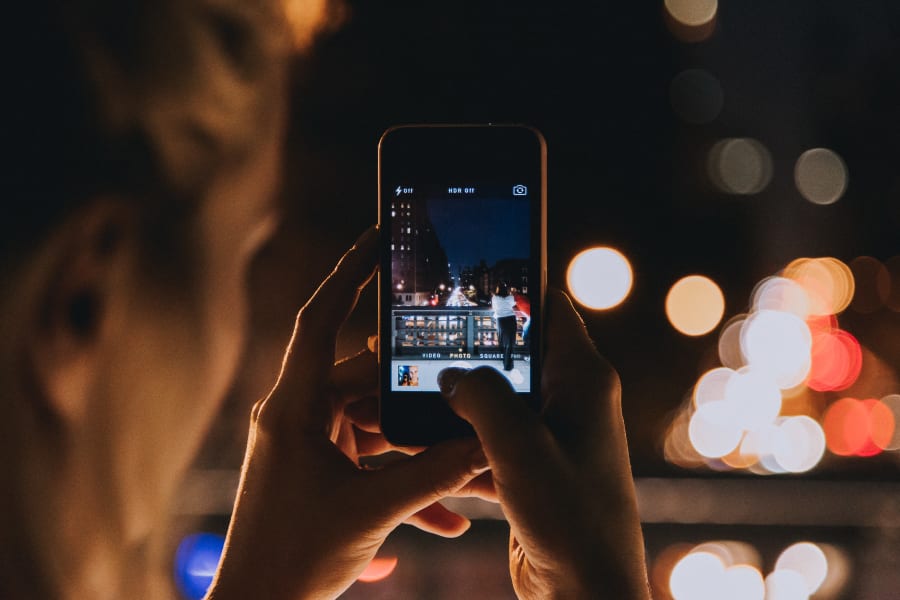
x=436, y=153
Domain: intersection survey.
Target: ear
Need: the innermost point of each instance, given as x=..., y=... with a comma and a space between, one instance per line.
x=73, y=304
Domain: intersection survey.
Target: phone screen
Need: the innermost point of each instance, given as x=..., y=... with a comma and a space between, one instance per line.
x=460, y=275
x=461, y=279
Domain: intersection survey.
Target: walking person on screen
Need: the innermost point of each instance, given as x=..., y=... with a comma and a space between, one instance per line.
x=503, y=303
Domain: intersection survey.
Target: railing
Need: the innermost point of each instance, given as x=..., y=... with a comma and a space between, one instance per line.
x=464, y=330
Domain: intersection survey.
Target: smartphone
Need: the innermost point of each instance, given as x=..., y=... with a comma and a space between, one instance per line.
x=462, y=211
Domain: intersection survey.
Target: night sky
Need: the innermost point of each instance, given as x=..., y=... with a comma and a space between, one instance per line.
x=499, y=231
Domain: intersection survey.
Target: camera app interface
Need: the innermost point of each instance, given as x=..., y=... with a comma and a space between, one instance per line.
x=460, y=268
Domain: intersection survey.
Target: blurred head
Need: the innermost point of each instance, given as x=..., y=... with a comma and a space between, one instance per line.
x=148, y=137
x=501, y=290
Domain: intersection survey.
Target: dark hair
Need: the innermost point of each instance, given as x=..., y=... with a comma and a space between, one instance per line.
x=502, y=290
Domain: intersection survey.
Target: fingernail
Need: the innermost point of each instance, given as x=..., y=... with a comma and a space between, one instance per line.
x=447, y=379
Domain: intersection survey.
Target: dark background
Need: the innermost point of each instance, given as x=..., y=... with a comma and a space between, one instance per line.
x=624, y=171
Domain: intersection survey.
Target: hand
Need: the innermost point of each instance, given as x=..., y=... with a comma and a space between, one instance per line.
x=308, y=519
x=563, y=477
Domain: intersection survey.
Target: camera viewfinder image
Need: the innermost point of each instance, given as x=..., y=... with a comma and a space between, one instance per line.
x=460, y=293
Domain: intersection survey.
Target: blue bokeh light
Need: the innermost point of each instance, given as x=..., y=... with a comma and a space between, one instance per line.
x=196, y=561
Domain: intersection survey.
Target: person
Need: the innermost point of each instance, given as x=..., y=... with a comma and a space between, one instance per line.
x=148, y=138
x=523, y=310
x=503, y=304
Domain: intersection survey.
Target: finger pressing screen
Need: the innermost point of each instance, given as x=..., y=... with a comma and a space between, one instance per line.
x=511, y=433
x=447, y=379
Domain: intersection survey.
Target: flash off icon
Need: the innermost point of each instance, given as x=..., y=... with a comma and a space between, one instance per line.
x=520, y=190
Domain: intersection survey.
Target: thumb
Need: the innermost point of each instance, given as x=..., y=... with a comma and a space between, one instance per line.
x=510, y=431
x=528, y=468
x=412, y=484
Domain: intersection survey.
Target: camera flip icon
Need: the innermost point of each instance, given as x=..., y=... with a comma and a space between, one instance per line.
x=520, y=190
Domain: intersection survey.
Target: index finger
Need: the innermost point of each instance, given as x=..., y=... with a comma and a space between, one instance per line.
x=310, y=353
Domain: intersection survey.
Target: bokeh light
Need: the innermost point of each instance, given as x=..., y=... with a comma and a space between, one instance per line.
x=759, y=444
x=753, y=398
x=764, y=410
x=692, y=12
x=695, y=305
x=781, y=294
x=777, y=344
x=802, y=400
x=696, y=96
x=731, y=569
x=662, y=566
x=838, y=572
x=730, y=354
x=713, y=431
x=821, y=176
x=731, y=552
x=881, y=427
x=808, y=560
x=828, y=282
x=892, y=403
x=740, y=166
x=711, y=386
x=738, y=458
x=873, y=284
x=821, y=324
x=380, y=568
x=743, y=582
x=846, y=426
x=599, y=278
x=677, y=448
x=716, y=570
x=786, y=585
x=836, y=361
x=698, y=576
x=691, y=20
x=798, y=444
x=717, y=549
x=196, y=561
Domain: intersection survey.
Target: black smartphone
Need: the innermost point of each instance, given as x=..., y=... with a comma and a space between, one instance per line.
x=462, y=210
